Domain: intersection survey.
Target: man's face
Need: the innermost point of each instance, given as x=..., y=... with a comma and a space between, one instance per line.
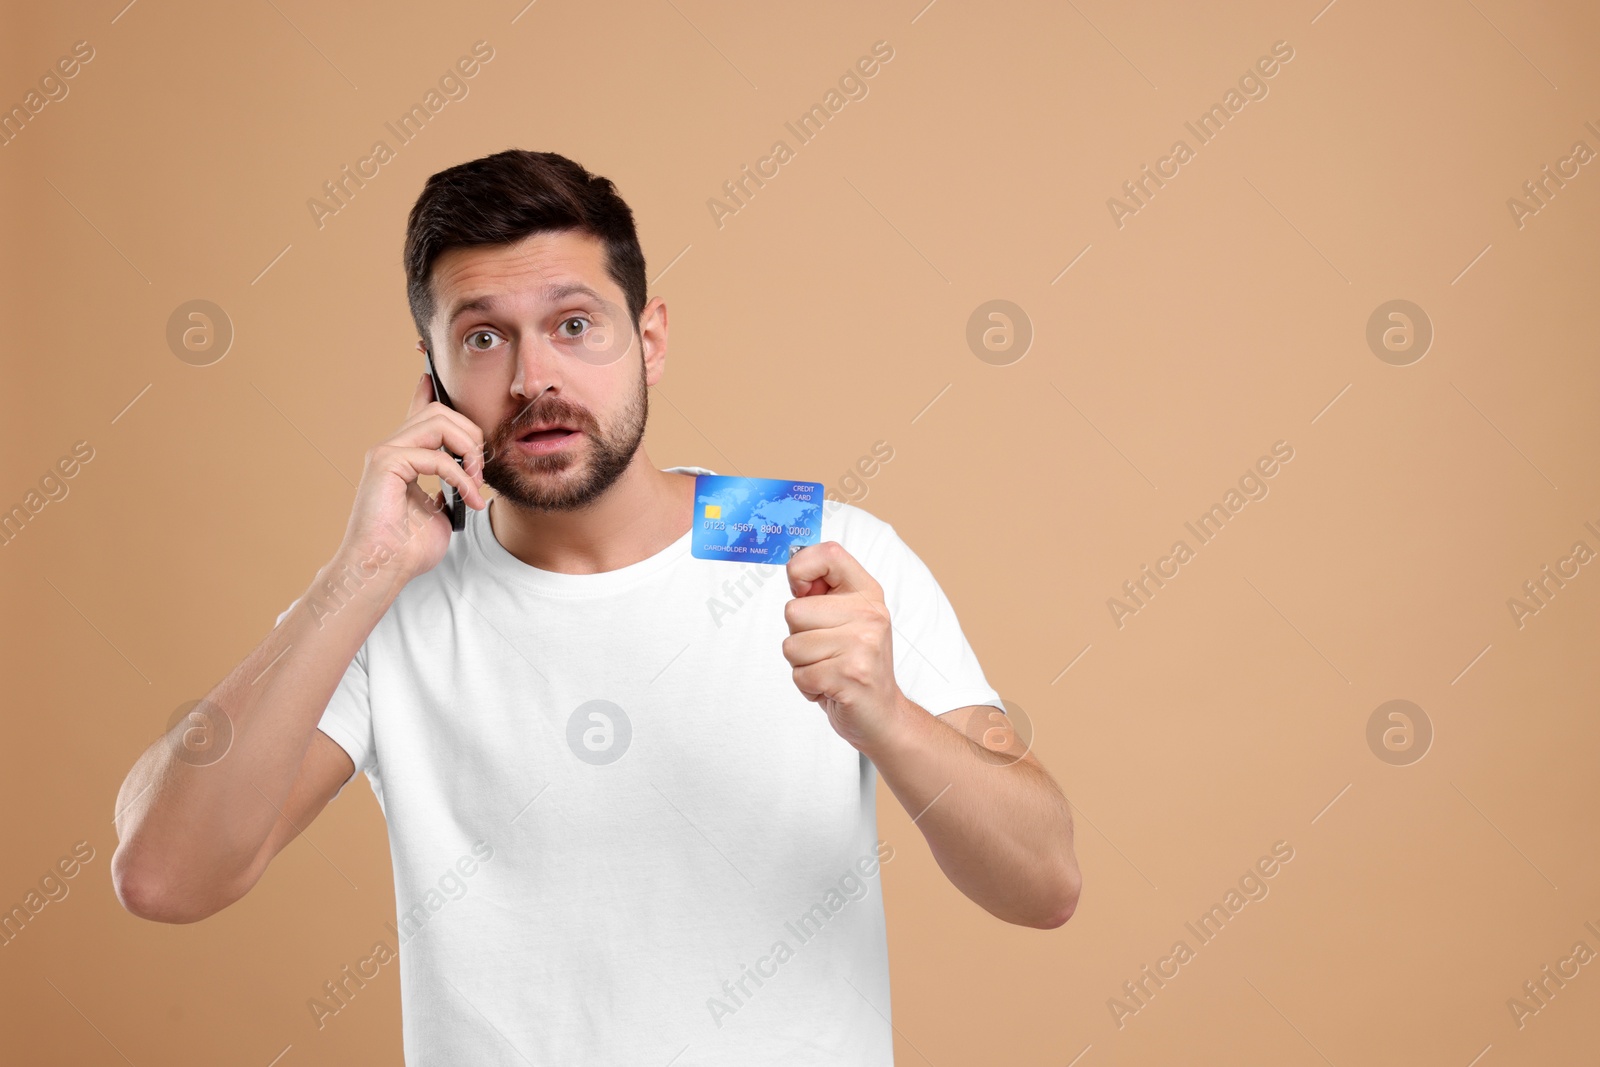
x=538, y=351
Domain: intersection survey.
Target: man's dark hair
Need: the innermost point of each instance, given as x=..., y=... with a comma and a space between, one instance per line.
x=507, y=196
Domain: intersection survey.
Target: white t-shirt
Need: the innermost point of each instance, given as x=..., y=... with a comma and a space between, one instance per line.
x=620, y=834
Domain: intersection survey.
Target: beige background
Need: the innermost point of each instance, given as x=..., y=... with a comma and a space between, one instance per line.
x=829, y=313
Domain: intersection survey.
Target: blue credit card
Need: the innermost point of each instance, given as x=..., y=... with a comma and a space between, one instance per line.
x=754, y=520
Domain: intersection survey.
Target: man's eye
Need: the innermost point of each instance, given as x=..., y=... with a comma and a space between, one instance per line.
x=477, y=333
x=576, y=318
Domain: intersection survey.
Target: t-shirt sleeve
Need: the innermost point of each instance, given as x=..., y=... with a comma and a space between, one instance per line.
x=348, y=717
x=934, y=664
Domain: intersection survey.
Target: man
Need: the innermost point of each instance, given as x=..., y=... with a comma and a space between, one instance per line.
x=630, y=792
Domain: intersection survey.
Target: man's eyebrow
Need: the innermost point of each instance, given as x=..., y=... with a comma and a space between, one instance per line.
x=551, y=293
x=477, y=303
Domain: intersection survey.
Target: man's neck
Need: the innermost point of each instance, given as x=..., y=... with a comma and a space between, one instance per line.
x=642, y=513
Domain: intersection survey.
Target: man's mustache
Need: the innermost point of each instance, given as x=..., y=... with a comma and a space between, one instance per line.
x=535, y=413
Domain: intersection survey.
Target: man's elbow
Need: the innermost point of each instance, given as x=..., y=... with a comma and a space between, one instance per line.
x=1071, y=886
x=144, y=895
x=141, y=898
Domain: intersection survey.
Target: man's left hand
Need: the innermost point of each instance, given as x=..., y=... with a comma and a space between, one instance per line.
x=839, y=643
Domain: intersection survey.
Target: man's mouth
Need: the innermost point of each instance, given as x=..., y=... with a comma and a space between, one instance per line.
x=548, y=438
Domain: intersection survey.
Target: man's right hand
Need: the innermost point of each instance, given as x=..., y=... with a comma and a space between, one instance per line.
x=392, y=513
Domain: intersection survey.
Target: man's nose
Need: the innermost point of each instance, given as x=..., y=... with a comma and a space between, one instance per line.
x=538, y=369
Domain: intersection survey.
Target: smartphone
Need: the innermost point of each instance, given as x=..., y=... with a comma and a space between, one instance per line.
x=454, y=506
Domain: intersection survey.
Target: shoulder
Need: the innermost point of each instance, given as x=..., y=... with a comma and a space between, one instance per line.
x=854, y=527
x=872, y=541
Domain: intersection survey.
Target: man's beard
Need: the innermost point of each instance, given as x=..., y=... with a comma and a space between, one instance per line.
x=536, y=482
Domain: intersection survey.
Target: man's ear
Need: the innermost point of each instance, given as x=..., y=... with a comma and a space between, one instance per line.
x=653, y=334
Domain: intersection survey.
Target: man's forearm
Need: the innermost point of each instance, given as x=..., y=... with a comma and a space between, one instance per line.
x=188, y=826
x=1001, y=831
